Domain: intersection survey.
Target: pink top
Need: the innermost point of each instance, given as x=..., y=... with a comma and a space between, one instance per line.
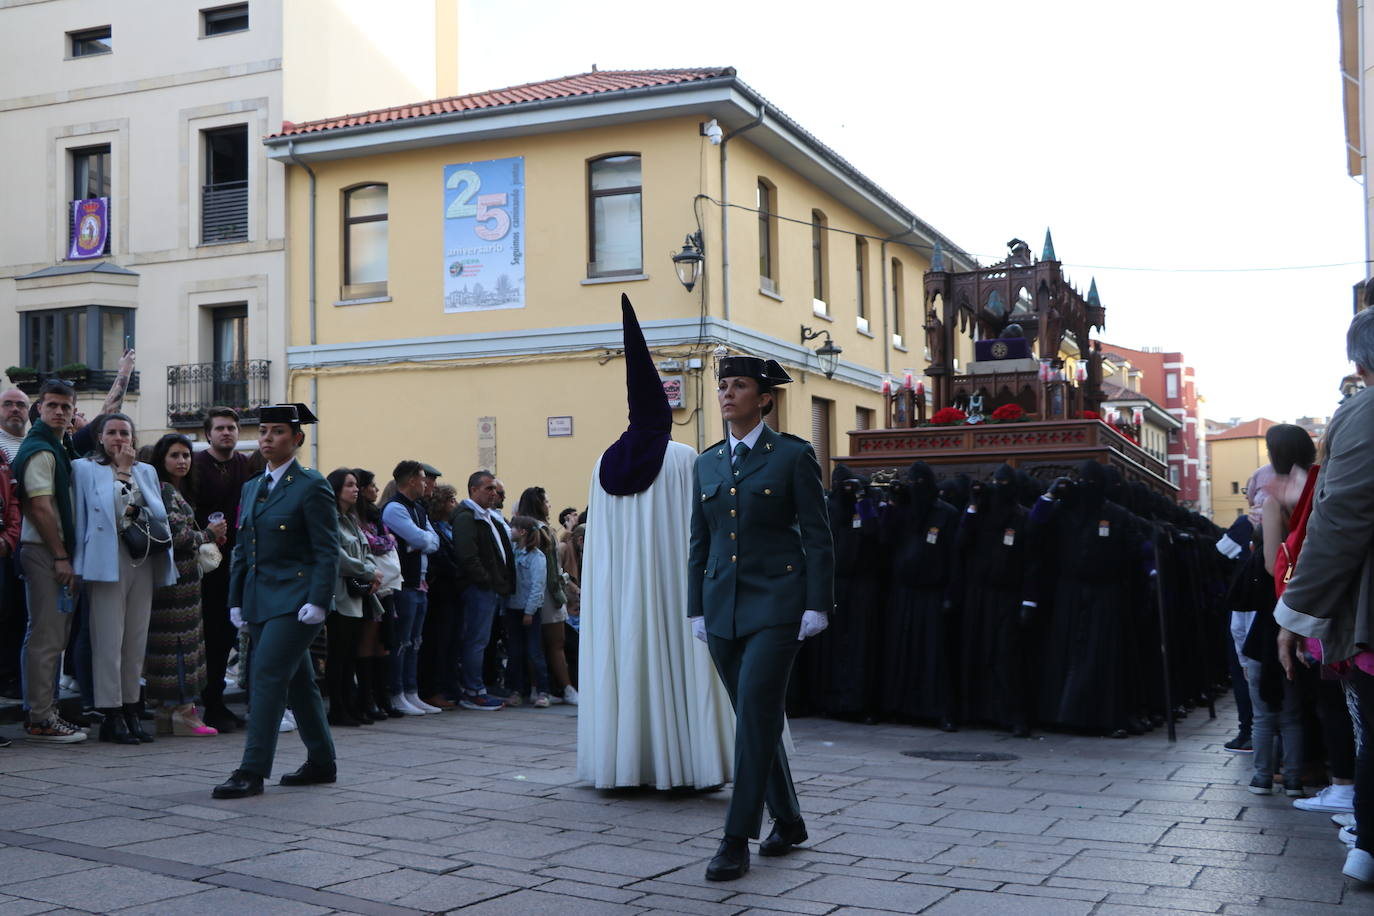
x=1363, y=660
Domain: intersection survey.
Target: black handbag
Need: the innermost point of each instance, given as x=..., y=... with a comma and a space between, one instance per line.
x=145, y=536
x=357, y=588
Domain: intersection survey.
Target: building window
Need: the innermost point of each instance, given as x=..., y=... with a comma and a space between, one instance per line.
x=820, y=433
x=222, y=20
x=90, y=42
x=365, y=242
x=224, y=195
x=765, y=201
x=1173, y=475
x=863, y=417
x=229, y=328
x=820, y=256
x=615, y=215
x=93, y=336
x=898, y=326
x=1171, y=385
x=91, y=178
x=1235, y=488
x=861, y=282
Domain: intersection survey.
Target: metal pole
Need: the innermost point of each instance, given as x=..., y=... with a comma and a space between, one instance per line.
x=1159, y=532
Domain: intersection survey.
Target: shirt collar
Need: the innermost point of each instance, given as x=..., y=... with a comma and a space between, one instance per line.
x=476, y=509
x=750, y=440
x=279, y=472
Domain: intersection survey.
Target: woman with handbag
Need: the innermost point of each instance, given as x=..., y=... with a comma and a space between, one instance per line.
x=375, y=642
x=353, y=602
x=174, y=668
x=123, y=551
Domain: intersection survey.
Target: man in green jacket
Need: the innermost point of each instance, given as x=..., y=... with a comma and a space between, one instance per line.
x=281, y=585
x=760, y=580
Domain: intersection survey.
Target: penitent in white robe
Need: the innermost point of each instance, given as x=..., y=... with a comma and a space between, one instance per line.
x=652, y=710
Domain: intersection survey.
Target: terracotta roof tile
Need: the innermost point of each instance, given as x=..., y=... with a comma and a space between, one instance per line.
x=581, y=84
x=1250, y=429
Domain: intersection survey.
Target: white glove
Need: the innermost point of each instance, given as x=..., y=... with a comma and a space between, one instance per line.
x=311, y=614
x=236, y=617
x=699, y=628
x=813, y=622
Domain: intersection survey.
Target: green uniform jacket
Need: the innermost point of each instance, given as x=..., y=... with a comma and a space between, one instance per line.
x=761, y=552
x=287, y=553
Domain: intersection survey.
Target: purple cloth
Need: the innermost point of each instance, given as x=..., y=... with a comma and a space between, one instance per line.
x=633, y=461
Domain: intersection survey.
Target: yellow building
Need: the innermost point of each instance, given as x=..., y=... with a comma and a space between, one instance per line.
x=1234, y=455
x=455, y=271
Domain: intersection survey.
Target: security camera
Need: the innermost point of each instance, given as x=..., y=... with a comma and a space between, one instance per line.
x=711, y=131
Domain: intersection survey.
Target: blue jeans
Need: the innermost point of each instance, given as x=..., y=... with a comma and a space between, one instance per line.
x=479, y=609
x=1272, y=722
x=411, y=605
x=525, y=647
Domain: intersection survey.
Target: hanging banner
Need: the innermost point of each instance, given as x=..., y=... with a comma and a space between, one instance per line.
x=484, y=222
x=90, y=228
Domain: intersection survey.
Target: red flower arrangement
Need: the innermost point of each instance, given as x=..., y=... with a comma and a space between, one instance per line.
x=1090, y=415
x=948, y=416
x=1008, y=413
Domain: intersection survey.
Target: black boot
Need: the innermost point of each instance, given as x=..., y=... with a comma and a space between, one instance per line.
x=381, y=669
x=367, y=692
x=354, y=693
x=114, y=728
x=135, y=724
x=731, y=860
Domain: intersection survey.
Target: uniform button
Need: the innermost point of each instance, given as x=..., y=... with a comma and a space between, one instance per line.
x=732, y=558
x=767, y=492
x=282, y=527
x=789, y=567
x=732, y=491
x=732, y=513
x=732, y=535
x=299, y=574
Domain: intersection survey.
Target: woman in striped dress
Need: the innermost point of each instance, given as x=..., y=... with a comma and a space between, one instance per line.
x=174, y=667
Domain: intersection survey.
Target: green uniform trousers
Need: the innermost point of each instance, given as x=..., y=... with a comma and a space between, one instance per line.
x=755, y=669
x=281, y=672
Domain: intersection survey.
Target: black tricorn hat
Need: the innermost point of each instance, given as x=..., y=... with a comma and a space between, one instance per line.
x=765, y=371
x=633, y=461
x=295, y=414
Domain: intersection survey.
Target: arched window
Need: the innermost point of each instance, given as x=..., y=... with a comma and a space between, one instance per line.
x=820, y=251
x=365, y=242
x=614, y=215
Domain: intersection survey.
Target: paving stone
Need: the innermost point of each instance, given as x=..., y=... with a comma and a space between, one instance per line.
x=1223, y=839
x=225, y=901
x=620, y=860
x=760, y=904
x=420, y=890
x=1321, y=886
x=538, y=903
x=897, y=896
x=104, y=889
x=308, y=868
x=885, y=847
x=203, y=848
x=998, y=823
x=109, y=831
x=998, y=858
x=975, y=903
x=1106, y=829
x=20, y=864
x=1127, y=871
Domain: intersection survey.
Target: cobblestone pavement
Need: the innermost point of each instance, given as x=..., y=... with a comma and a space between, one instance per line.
x=482, y=813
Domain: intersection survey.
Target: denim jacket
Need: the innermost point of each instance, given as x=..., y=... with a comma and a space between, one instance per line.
x=529, y=581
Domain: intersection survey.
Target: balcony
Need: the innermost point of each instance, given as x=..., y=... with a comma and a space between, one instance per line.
x=194, y=388
x=224, y=212
x=83, y=380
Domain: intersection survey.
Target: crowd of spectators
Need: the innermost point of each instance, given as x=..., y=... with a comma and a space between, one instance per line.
x=114, y=564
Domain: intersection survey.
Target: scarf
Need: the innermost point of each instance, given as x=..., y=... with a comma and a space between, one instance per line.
x=42, y=439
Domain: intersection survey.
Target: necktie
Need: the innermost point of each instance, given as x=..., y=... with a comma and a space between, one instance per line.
x=741, y=450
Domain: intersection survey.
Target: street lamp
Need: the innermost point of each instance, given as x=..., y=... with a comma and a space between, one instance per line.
x=828, y=352
x=688, y=261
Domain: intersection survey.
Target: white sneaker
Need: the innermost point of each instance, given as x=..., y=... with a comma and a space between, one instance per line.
x=1359, y=865
x=288, y=722
x=400, y=702
x=1343, y=820
x=570, y=695
x=1336, y=799
x=1347, y=836
x=414, y=700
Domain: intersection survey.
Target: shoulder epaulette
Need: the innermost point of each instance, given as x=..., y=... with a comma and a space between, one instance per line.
x=713, y=445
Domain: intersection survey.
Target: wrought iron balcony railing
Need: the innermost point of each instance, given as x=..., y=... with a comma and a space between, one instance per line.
x=224, y=212
x=194, y=388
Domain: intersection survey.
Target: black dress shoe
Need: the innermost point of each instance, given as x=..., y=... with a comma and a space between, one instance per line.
x=311, y=774
x=240, y=784
x=134, y=720
x=731, y=860
x=115, y=729
x=947, y=725
x=783, y=837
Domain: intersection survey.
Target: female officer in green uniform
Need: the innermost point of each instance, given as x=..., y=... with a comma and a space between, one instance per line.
x=760, y=580
x=281, y=585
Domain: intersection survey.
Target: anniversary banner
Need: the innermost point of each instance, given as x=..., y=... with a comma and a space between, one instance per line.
x=90, y=228
x=484, y=218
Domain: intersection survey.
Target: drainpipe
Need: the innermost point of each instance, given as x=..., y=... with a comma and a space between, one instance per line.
x=314, y=378
x=725, y=210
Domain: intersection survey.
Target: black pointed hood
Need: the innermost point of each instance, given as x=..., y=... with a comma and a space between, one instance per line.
x=633, y=461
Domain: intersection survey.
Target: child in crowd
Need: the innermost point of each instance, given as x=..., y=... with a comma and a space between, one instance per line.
x=523, y=634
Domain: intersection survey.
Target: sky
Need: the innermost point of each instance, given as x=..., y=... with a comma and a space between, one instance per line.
x=1179, y=151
